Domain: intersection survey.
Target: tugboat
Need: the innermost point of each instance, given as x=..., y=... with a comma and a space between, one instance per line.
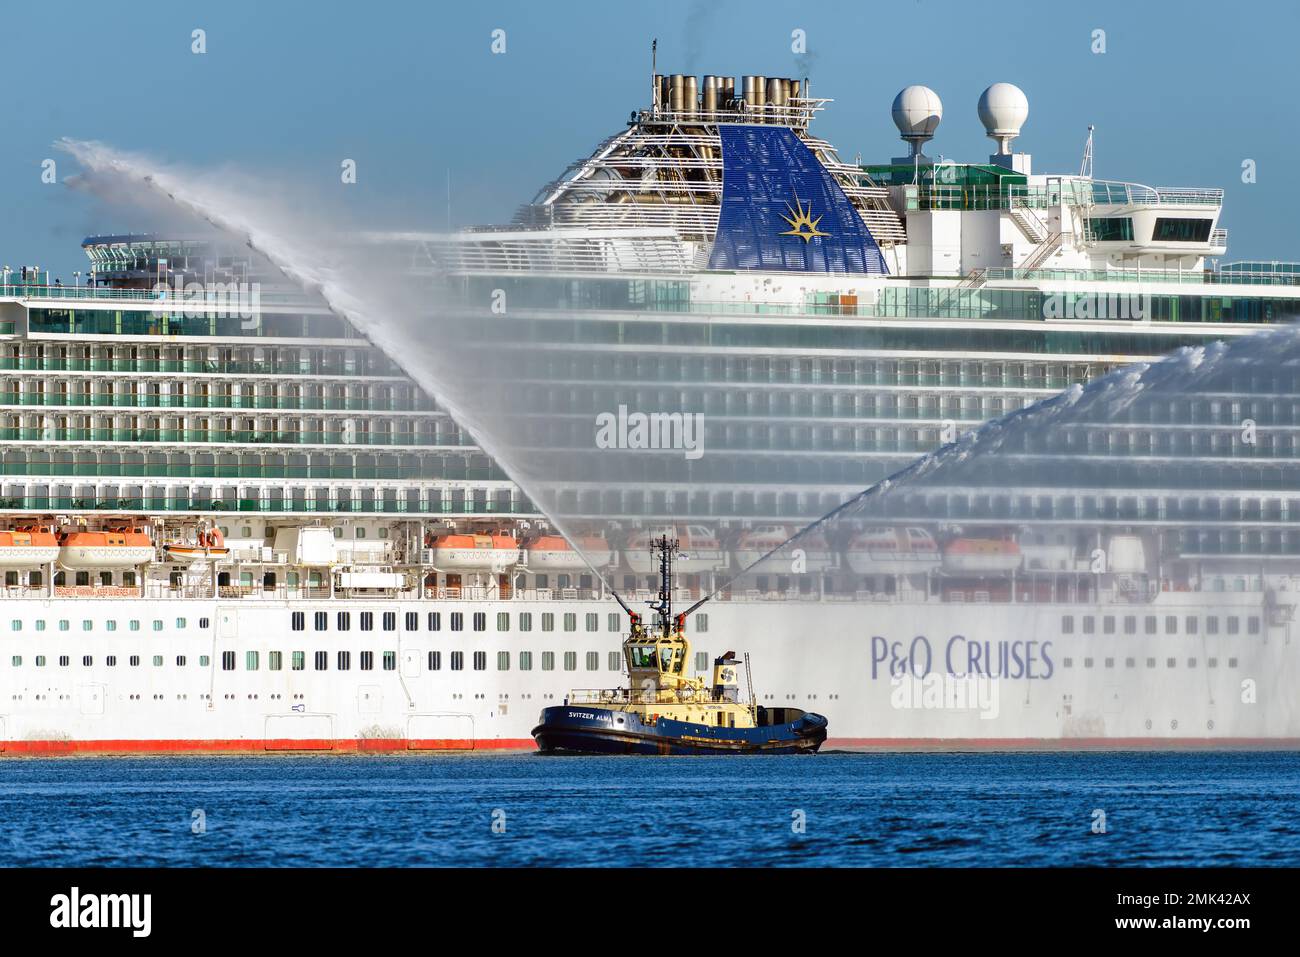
x=664, y=711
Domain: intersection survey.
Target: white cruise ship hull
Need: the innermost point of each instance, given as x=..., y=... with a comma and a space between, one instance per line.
x=1033, y=684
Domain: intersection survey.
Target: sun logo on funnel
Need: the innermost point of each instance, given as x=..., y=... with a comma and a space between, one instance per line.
x=801, y=222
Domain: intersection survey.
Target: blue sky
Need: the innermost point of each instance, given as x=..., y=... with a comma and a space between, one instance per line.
x=1183, y=94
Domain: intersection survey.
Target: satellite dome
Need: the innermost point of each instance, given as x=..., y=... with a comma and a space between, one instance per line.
x=1003, y=110
x=917, y=112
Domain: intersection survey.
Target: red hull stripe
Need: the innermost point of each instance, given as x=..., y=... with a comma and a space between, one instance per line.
x=389, y=745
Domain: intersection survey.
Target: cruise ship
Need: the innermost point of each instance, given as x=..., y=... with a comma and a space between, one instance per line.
x=230, y=520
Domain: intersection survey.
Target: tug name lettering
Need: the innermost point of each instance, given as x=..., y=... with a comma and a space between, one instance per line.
x=962, y=657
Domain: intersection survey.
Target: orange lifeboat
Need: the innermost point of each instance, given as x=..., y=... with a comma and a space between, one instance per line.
x=27, y=548
x=547, y=553
x=114, y=548
x=976, y=556
x=206, y=545
x=469, y=552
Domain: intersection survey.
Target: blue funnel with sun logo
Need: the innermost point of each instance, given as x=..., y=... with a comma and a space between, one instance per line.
x=782, y=210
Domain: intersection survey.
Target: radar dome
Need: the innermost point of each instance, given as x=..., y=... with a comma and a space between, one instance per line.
x=1003, y=110
x=917, y=112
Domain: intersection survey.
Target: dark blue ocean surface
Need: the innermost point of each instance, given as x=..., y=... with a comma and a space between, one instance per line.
x=856, y=809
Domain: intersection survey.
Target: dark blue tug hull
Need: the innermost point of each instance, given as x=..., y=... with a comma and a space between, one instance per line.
x=576, y=729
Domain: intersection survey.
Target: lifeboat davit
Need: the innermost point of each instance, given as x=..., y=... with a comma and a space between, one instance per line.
x=886, y=550
x=981, y=556
x=554, y=553
x=116, y=548
x=206, y=546
x=456, y=552
x=751, y=546
x=27, y=548
x=700, y=550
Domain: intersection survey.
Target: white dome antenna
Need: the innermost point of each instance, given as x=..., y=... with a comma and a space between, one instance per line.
x=1003, y=110
x=917, y=112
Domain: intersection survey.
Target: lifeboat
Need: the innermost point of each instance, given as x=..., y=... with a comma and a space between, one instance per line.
x=554, y=553
x=115, y=548
x=886, y=550
x=700, y=550
x=981, y=556
x=457, y=552
x=751, y=546
x=27, y=548
x=205, y=546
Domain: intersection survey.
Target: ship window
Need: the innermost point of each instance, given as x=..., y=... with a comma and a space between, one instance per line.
x=390, y=660
x=548, y=621
x=323, y=661
x=1171, y=624
x=1108, y=624
x=63, y=661
x=1211, y=662
x=250, y=661
x=503, y=661
x=525, y=661
x=570, y=661
x=157, y=661
x=1172, y=230
x=1191, y=624
x=40, y=624
x=338, y=532
x=40, y=661
x=593, y=621
x=1191, y=662
x=390, y=621
x=64, y=624
x=321, y=621
x=570, y=621
x=457, y=621
x=204, y=661
x=83, y=578
x=1149, y=624
x=412, y=621
x=480, y=621
x=110, y=661
x=435, y=661
x=615, y=661
x=297, y=621
x=1089, y=624
x=701, y=661
x=361, y=532
x=548, y=661
x=87, y=624
x=613, y=622
x=593, y=661
x=525, y=621
x=298, y=660
x=227, y=661
x=343, y=661
x=367, y=621
x=435, y=621
x=367, y=661
x=1110, y=662
x=1130, y=662
x=203, y=623
x=1130, y=625
x=1234, y=624
x=1171, y=662
x=1252, y=625
x=1212, y=625
x=1232, y=662
x=457, y=660
x=344, y=621
x=1087, y=662
x=275, y=660
x=643, y=656
x=503, y=621
x=480, y=661
x=701, y=623
x=157, y=624
x=1068, y=663
x=16, y=624
x=1110, y=229
x=1067, y=625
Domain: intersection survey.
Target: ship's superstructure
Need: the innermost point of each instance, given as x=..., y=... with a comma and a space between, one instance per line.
x=228, y=521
